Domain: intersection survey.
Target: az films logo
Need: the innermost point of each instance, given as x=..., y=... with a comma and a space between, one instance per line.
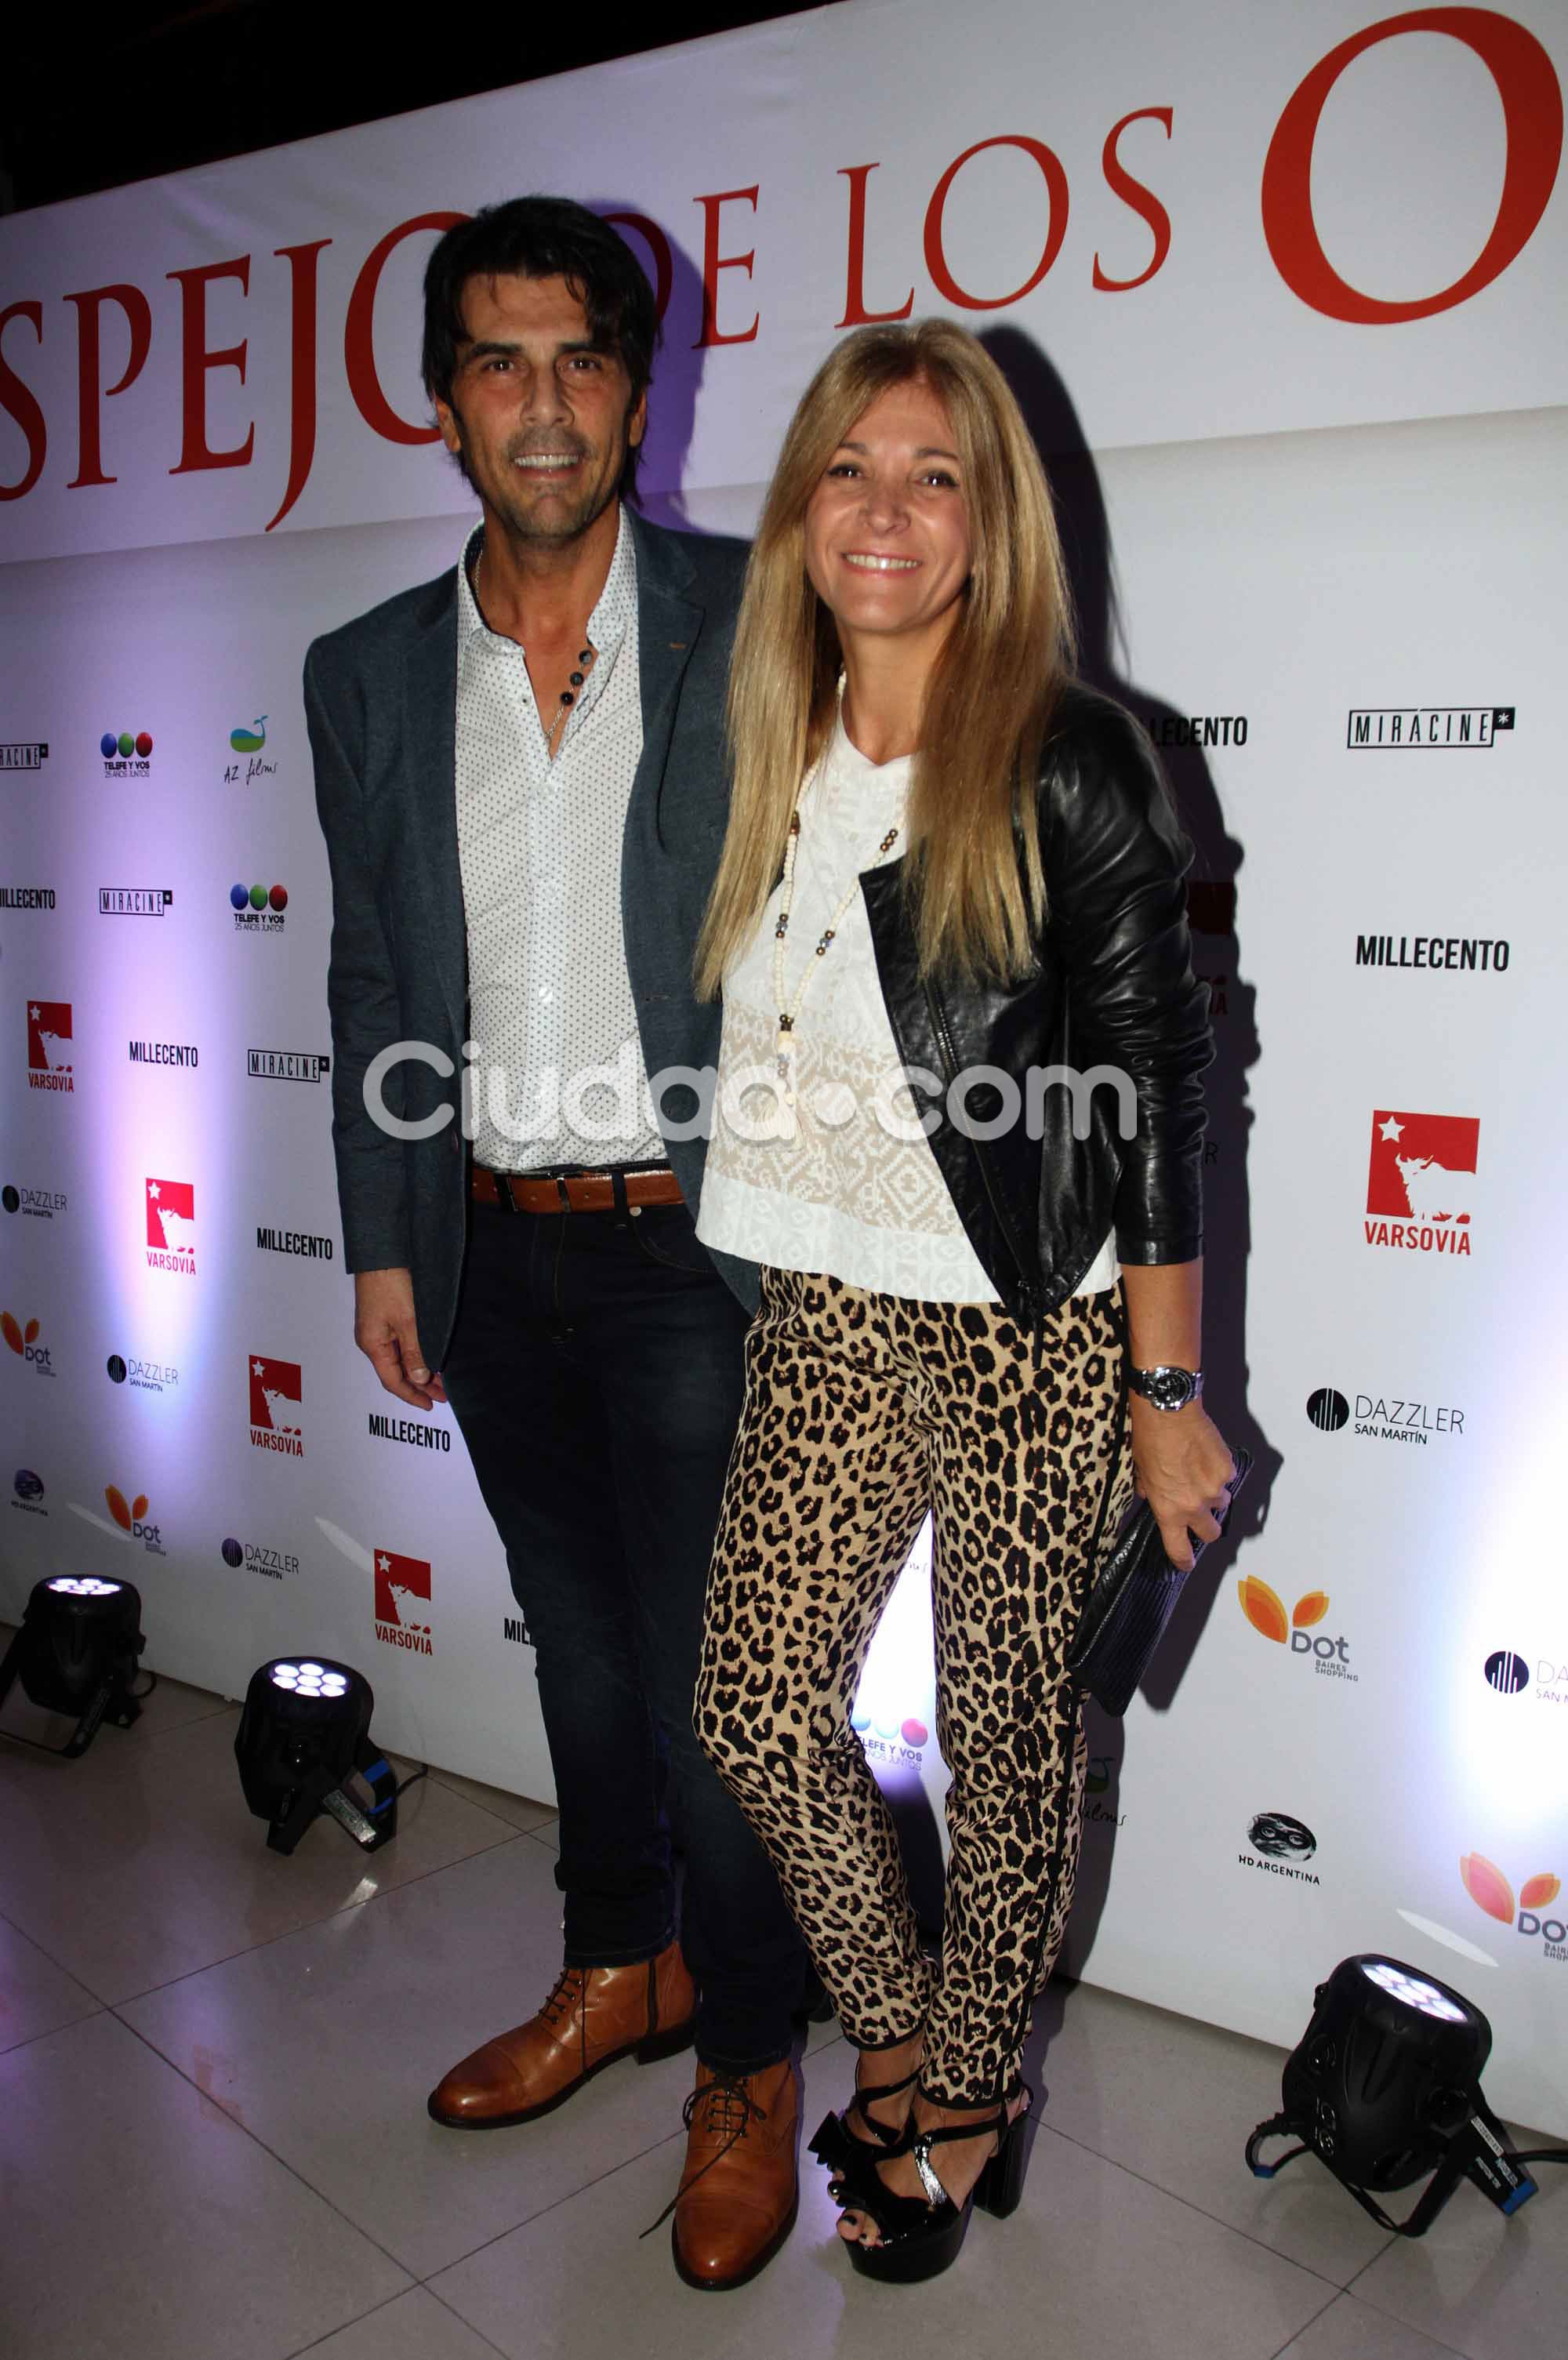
x=1266, y=1613
x=1489, y=1889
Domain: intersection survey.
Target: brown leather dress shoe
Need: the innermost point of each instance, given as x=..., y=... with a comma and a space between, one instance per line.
x=593, y=2016
x=741, y=2185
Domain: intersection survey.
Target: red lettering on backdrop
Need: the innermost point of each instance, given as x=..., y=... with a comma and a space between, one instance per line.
x=1533, y=112
x=359, y=338
x=196, y=360
x=936, y=260
x=302, y=269
x=1132, y=193
x=139, y=315
x=714, y=262
x=855, y=314
x=21, y=402
x=657, y=245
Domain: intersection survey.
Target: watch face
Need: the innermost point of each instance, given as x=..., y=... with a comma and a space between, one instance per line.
x=1169, y=1388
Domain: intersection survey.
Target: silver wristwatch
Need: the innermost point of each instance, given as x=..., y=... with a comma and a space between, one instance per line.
x=1166, y=1387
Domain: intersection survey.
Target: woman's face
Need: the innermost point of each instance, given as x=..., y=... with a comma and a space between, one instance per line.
x=887, y=527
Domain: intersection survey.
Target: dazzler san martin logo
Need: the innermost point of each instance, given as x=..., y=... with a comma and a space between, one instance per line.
x=1506, y=1672
x=1384, y=1417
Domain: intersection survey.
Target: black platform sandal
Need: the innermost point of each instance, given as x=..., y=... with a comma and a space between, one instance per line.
x=923, y=2235
x=847, y=2156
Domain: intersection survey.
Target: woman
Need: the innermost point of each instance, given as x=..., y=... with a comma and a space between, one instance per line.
x=946, y=863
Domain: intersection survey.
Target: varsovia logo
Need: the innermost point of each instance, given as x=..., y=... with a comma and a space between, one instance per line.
x=130, y=1515
x=1298, y=1629
x=127, y=753
x=1489, y=1889
x=259, y=909
x=24, y=1343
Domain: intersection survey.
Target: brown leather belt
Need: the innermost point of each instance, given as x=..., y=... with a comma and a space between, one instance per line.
x=574, y=1192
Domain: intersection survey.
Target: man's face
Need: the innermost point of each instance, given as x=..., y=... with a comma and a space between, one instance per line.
x=540, y=418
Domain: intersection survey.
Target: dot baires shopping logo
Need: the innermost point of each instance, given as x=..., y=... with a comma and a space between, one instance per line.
x=1298, y=1629
x=127, y=753
x=130, y=1516
x=25, y=1344
x=1490, y=1891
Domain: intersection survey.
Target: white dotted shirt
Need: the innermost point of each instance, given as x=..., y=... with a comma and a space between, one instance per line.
x=840, y=1179
x=558, y=1071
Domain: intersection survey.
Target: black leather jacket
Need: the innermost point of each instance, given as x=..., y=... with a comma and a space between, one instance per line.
x=1113, y=988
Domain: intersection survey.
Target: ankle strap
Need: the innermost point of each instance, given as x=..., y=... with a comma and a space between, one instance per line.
x=949, y=2132
x=886, y=2089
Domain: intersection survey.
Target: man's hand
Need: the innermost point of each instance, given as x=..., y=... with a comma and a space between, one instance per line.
x=384, y=1330
x=1183, y=1464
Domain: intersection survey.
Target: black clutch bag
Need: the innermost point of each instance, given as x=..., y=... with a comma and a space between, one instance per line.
x=1133, y=1598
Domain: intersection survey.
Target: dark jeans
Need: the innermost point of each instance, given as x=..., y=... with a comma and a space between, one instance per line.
x=596, y=1374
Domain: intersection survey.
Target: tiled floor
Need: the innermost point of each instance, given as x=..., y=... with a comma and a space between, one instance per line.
x=213, y=2143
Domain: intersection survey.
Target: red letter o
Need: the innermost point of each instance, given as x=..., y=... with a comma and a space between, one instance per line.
x=936, y=260
x=1532, y=110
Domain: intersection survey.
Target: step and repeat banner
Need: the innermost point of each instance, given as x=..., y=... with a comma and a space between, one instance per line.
x=1281, y=295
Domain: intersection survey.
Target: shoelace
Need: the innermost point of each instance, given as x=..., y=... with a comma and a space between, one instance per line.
x=568, y=1989
x=730, y=2108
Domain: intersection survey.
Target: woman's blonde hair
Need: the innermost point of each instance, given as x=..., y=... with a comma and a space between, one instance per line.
x=988, y=701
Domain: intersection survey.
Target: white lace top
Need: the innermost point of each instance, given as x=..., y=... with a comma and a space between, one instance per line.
x=844, y=1181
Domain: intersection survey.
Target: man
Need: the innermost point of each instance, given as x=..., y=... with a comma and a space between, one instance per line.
x=519, y=775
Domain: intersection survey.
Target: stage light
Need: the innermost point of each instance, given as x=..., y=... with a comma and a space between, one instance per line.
x=1385, y=2088
x=304, y=1731
x=76, y=1654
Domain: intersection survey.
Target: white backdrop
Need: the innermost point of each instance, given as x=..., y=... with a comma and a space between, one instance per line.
x=1298, y=486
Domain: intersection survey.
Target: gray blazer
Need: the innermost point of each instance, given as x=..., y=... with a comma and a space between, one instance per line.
x=380, y=699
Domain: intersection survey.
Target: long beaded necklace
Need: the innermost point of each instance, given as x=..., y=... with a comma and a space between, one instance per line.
x=789, y=1009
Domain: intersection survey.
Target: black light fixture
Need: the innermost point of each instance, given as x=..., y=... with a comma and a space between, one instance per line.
x=76, y=1654
x=1385, y=2088
x=304, y=1731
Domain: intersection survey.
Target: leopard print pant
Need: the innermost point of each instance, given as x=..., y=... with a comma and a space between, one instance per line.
x=863, y=1412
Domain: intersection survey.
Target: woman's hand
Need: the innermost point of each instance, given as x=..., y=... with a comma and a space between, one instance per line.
x=1183, y=1464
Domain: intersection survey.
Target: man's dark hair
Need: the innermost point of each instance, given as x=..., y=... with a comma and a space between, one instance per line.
x=543, y=237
